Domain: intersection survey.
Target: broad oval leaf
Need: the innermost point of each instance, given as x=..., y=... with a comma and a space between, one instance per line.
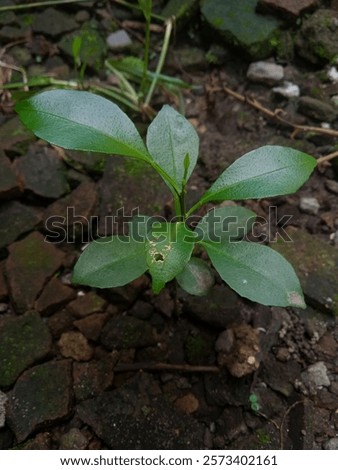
x=110, y=262
x=268, y=171
x=225, y=223
x=168, y=251
x=257, y=272
x=196, y=277
x=79, y=120
x=170, y=138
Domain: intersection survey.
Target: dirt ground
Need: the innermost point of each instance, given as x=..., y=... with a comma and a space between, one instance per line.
x=121, y=368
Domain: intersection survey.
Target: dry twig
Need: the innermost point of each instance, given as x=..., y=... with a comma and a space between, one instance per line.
x=161, y=366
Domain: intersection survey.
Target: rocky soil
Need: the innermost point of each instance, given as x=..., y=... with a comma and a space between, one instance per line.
x=124, y=369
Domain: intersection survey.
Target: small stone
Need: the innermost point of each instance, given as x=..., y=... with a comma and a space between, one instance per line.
x=92, y=325
x=41, y=441
x=119, y=40
x=188, y=403
x=331, y=444
x=267, y=73
x=73, y=344
x=124, y=332
x=8, y=183
x=23, y=341
x=332, y=186
x=31, y=262
x=41, y=396
x=15, y=220
x=287, y=90
x=54, y=296
x=73, y=440
x=3, y=400
x=53, y=22
x=309, y=205
x=50, y=180
x=316, y=109
x=334, y=100
x=60, y=322
x=315, y=376
x=87, y=304
x=332, y=74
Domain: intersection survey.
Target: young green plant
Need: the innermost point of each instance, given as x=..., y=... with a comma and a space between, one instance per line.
x=80, y=120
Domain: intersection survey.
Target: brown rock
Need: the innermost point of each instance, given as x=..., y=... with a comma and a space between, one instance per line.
x=87, y=304
x=60, y=322
x=92, y=378
x=288, y=9
x=73, y=440
x=8, y=183
x=243, y=358
x=188, y=403
x=92, y=325
x=15, y=220
x=70, y=217
x=31, y=262
x=50, y=180
x=3, y=283
x=73, y=344
x=54, y=296
x=41, y=395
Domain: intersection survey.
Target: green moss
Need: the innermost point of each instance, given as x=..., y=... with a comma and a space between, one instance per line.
x=263, y=437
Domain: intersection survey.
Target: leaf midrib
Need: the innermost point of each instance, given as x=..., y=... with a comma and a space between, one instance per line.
x=85, y=126
x=242, y=264
x=124, y=259
x=247, y=179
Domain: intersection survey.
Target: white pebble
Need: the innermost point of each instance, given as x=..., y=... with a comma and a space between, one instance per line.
x=265, y=72
x=288, y=90
x=310, y=205
x=333, y=74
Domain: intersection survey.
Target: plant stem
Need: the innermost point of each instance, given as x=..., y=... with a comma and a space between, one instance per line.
x=194, y=208
x=136, y=7
x=40, y=4
x=167, y=34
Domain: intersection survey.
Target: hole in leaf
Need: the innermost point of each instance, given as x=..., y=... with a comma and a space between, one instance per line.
x=158, y=257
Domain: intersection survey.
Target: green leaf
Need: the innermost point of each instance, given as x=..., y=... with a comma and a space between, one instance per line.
x=146, y=6
x=168, y=251
x=170, y=137
x=196, y=277
x=257, y=272
x=140, y=227
x=110, y=262
x=225, y=223
x=79, y=120
x=265, y=172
